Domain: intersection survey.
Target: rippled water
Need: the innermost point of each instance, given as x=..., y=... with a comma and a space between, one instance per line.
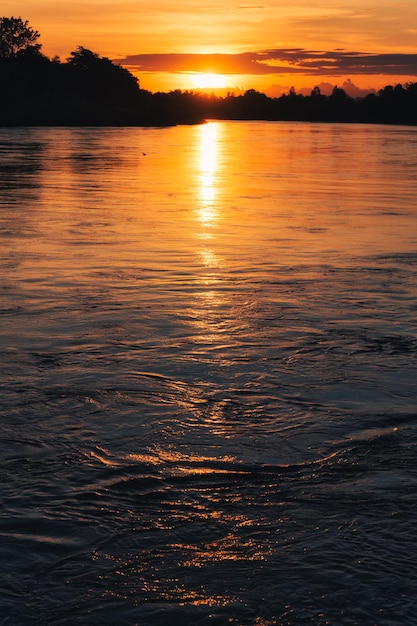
x=208, y=375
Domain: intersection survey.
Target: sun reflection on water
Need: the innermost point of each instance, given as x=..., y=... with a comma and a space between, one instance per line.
x=208, y=169
x=207, y=212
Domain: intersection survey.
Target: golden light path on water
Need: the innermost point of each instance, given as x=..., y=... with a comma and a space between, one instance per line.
x=209, y=301
x=208, y=171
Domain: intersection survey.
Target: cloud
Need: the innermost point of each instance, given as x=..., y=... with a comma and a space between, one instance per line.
x=340, y=62
x=244, y=63
x=278, y=61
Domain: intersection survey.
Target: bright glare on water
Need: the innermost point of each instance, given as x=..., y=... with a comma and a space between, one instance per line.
x=208, y=375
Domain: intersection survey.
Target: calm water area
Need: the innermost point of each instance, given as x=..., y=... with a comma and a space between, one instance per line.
x=208, y=375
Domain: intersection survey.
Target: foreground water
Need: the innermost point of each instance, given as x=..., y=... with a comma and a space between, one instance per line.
x=208, y=375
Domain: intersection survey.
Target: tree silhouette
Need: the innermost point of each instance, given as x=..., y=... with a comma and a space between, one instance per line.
x=89, y=89
x=99, y=79
x=83, y=58
x=16, y=36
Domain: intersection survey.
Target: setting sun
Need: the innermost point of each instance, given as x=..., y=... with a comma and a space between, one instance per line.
x=208, y=81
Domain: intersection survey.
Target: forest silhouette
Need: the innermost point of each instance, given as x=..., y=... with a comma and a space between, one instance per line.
x=88, y=89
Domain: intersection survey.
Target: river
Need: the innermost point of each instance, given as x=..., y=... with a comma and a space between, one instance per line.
x=208, y=373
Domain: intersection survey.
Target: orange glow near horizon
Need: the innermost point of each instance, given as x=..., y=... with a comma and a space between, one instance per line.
x=127, y=29
x=209, y=81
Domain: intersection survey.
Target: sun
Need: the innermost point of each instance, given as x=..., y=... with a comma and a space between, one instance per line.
x=208, y=81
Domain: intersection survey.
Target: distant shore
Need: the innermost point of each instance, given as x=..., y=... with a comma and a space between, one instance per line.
x=89, y=90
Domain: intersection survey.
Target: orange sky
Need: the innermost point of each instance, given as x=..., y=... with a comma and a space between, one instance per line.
x=268, y=45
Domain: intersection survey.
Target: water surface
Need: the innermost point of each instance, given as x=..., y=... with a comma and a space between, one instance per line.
x=208, y=363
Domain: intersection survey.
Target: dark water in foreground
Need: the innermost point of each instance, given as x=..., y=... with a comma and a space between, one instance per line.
x=208, y=375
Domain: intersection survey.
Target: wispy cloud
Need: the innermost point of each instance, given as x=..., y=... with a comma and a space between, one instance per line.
x=278, y=61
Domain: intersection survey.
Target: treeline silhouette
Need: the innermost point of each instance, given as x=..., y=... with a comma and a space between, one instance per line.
x=91, y=90
x=85, y=90
x=392, y=105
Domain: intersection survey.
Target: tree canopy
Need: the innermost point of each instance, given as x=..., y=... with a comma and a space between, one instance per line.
x=16, y=36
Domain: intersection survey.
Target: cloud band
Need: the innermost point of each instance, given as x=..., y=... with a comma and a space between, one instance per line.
x=277, y=61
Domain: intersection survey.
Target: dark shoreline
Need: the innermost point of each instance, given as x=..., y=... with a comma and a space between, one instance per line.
x=194, y=123
x=89, y=90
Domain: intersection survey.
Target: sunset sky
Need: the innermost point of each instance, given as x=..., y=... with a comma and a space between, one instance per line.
x=269, y=45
